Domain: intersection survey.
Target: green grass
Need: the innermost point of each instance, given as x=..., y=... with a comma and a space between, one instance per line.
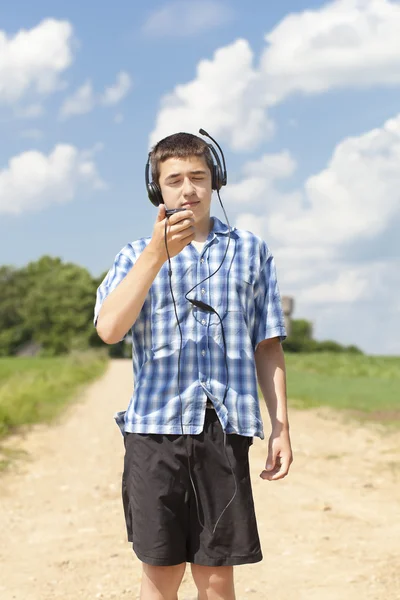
x=36, y=390
x=368, y=386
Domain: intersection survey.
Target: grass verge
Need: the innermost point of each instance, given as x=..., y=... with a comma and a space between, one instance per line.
x=368, y=387
x=36, y=389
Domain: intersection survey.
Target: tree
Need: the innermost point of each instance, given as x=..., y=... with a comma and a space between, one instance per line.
x=300, y=340
x=59, y=304
x=50, y=303
x=14, y=329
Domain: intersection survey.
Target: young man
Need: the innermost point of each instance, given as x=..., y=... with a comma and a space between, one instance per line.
x=188, y=498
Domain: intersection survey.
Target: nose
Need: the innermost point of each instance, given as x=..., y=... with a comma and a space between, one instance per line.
x=187, y=189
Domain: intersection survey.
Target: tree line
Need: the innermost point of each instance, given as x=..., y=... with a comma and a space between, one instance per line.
x=49, y=305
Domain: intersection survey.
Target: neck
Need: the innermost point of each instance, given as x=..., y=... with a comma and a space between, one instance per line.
x=203, y=229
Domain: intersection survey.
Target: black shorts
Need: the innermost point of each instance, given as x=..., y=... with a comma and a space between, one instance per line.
x=162, y=518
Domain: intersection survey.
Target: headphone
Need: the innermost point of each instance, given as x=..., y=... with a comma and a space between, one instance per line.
x=218, y=175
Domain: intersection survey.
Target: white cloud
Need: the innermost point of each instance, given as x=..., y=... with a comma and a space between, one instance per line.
x=222, y=99
x=33, y=60
x=251, y=222
x=271, y=166
x=314, y=232
x=355, y=197
x=80, y=103
x=183, y=19
x=32, y=180
x=367, y=316
x=346, y=43
x=257, y=189
x=33, y=111
x=345, y=286
x=115, y=93
x=84, y=99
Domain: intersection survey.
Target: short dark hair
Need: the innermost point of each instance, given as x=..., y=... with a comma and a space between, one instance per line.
x=179, y=145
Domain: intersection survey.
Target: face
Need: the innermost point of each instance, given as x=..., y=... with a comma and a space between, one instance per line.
x=186, y=183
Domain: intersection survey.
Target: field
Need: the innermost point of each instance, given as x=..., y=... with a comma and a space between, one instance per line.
x=36, y=389
x=367, y=386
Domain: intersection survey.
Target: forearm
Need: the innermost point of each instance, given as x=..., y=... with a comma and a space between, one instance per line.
x=271, y=374
x=122, y=307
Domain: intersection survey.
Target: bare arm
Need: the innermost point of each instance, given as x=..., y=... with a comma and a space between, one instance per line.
x=122, y=307
x=271, y=374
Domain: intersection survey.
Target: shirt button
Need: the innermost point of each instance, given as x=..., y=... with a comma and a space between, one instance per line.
x=203, y=291
x=203, y=322
x=202, y=260
x=203, y=352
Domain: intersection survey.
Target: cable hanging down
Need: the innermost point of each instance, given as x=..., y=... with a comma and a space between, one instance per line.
x=206, y=307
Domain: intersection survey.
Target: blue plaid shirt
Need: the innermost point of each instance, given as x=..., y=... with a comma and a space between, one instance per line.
x=245, y=294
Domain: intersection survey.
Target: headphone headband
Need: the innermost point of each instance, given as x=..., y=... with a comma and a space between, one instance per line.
x=218, y=176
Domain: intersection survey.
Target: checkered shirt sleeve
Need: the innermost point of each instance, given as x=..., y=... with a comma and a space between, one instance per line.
x=269, y=318
x=123, y=263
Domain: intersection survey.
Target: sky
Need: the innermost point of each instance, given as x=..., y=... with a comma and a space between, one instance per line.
x=302, y=96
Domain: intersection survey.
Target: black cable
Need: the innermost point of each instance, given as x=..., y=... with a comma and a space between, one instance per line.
x=202, y=305
x=179, y=375
x=226, y=251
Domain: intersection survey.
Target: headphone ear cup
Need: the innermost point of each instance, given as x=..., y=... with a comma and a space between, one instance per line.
x=215, y=183
x=154, y=194
x=216, y=178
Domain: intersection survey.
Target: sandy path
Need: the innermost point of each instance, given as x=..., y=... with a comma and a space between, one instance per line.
x=329, y=531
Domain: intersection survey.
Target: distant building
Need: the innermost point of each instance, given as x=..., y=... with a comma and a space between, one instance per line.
x=288, y=307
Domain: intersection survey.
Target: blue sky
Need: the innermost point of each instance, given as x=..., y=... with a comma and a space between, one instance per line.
x=303, y=97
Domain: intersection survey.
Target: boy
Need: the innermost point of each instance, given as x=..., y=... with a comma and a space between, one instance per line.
x=186, y=484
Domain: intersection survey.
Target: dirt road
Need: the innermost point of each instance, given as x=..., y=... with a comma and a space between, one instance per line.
x=329, y=531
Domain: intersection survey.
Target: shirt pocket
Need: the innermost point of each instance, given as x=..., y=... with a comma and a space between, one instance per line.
x=235, y=295
x=241, y=294
x=164, y=329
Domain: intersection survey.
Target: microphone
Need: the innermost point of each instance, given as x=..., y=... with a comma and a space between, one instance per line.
x=224, y=175
x=202, y=305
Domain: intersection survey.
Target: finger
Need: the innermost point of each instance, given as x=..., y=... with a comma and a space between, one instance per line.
x=184, y=225
x=283, y=471
x=279, y=472
x=272, y=464
x=161, y=212
x=187, y=234
x=269, y=474
x=271, y=460
x=180, y=216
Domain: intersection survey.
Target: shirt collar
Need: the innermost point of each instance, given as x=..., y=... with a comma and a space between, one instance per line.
x=219, y=227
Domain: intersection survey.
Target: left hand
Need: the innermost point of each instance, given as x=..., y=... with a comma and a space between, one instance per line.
x=280, y=456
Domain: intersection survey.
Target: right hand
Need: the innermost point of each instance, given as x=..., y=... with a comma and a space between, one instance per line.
x=180, y=232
